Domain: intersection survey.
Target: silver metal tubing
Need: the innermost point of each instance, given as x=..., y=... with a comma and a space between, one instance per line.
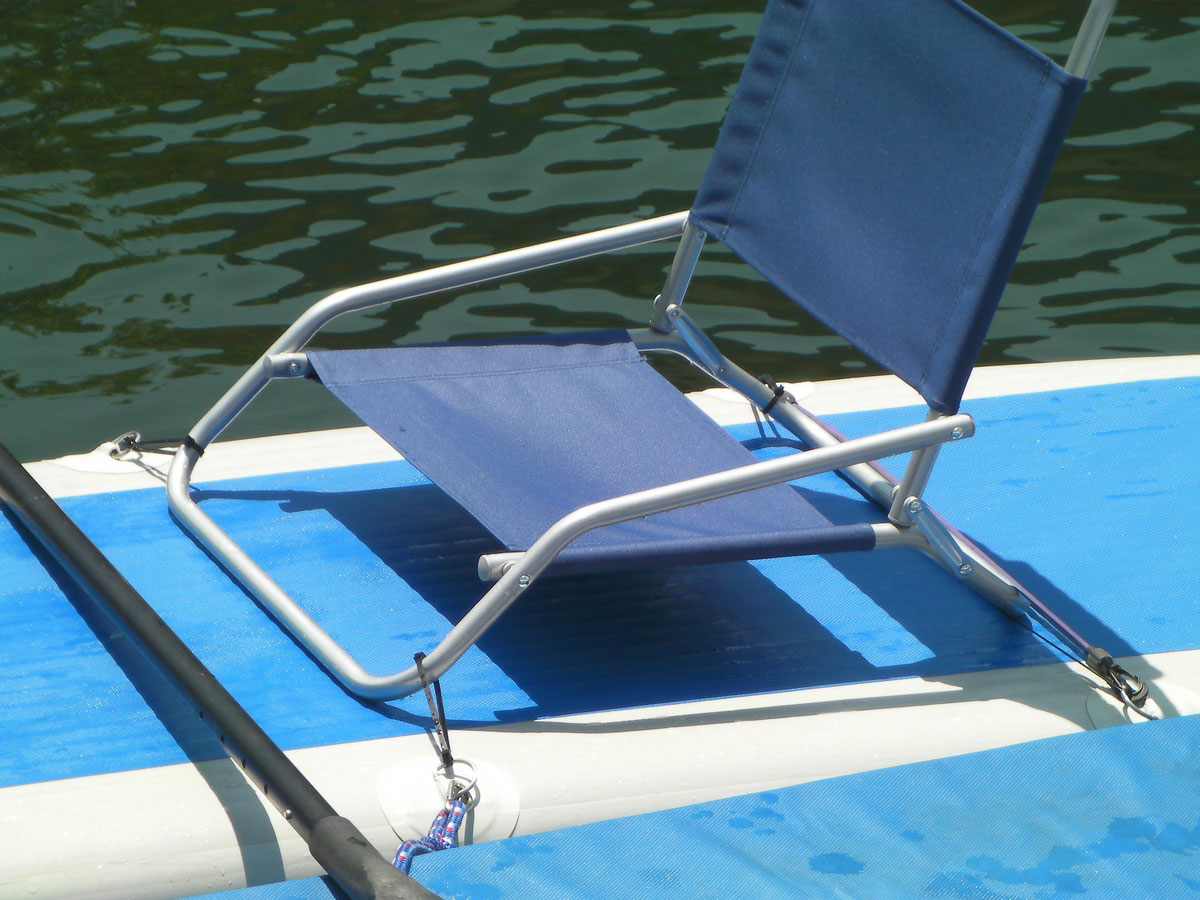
x=255, y=580
x=286, y=365
x=981, y=578
x=1091, y=33
x=430, y=281
x=937, y=536
x=791, y=416
x=916, y=476
x=660, y=499
x=997, y=589
x=888, y=535
x=687, y=254
x=985, y=576
x=535, y=560
x=283, y=358
x=493, y=565
x=703, y=350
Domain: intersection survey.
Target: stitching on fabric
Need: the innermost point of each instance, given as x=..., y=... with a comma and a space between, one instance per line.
x=454, y=376
x=1004, y=185
x=1003, y=34
x=787, y=68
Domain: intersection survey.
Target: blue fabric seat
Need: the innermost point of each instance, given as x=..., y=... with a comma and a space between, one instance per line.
x=523, y=432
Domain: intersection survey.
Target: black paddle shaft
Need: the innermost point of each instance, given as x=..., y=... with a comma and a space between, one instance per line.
x=334, y=842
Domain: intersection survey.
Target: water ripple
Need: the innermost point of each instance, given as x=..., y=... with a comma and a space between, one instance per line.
x=179, y=180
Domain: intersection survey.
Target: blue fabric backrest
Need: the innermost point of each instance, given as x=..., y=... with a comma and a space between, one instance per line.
x=880, y=163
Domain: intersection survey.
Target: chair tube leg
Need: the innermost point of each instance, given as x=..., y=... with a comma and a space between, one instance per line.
x=687, y=254
x=916, y=476
x=794, y=418
x=957, y=552
x=1091, y=33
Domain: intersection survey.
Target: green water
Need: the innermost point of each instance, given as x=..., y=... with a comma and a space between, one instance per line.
x=179, y=180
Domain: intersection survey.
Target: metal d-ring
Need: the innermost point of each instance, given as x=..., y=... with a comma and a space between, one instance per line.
x=457, y=789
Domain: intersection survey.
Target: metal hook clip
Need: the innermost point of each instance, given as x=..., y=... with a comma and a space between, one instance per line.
x=125, y=444
x=1131, y=690
x=456, y=788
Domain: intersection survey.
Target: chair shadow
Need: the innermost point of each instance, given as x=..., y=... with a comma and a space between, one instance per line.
x=847, y=510
x=578, y=643
x=964, y=631
x=261, y=861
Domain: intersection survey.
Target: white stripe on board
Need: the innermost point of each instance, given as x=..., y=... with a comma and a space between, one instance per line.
x=180, y=830
x=96, y=472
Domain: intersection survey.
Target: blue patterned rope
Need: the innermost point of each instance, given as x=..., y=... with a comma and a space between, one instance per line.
x=443, y=835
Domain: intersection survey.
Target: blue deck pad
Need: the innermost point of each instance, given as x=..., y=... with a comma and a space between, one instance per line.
x=1110, y=813
x=1075, y=491
x=880, y=164
x=321, y=888
x=522, y=433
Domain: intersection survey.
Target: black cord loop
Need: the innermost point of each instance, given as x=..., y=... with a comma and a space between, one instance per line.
x=778, y=390
x=133, y=442
x=1131, y=690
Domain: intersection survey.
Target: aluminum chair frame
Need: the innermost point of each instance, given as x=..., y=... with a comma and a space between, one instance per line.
x=912, y=523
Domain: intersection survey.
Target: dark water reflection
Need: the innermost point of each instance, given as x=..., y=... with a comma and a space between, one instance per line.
x=179, y=180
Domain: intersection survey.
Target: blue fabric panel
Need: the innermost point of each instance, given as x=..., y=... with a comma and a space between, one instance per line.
x=1107, y=813
x=522, y=433
x=880, y=163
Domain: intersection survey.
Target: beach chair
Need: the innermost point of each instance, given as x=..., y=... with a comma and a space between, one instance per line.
x=879, y=164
